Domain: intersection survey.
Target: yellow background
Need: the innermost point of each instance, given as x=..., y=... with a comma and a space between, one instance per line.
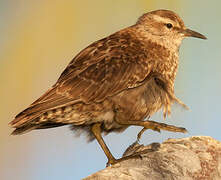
x=39, y=38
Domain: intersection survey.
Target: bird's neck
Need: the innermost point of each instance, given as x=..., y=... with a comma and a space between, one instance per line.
x=171, y=43
x=161, y=54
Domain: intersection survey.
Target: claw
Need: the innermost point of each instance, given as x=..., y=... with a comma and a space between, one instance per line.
x=155, y=126
x=115, y=161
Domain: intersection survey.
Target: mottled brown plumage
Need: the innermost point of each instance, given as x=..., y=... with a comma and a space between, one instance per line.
x=115, y=82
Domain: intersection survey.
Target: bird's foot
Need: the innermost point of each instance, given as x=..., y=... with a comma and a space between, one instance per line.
x=156, y=126
x=140, y=134
x=115, y=161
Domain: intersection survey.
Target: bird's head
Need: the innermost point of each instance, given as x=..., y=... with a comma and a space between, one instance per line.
x=165, y=25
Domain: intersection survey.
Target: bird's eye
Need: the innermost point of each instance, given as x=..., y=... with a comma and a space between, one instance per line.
x=169, y=25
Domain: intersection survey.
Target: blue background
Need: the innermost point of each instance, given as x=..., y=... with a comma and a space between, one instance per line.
x=39, y=38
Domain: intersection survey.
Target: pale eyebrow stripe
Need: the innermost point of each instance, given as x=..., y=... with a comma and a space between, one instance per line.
x=162, y=19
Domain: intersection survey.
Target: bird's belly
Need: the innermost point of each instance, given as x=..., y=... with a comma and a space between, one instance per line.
x=139, y=103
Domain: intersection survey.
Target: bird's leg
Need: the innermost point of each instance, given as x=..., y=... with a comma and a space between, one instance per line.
x=140, y=134
x=155, y=126
x=96, y=130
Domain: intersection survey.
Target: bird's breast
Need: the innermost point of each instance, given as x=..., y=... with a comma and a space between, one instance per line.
x=139, y=103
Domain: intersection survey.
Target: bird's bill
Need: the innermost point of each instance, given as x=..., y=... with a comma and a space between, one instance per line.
x=191, y=33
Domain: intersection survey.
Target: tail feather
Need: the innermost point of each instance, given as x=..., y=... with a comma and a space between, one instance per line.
x=22, y=119
x=28, y=120
x=50, y=125
x=29, y=127
x=24, y=129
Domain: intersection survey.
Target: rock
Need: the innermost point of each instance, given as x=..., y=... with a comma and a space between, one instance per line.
x=197, y=158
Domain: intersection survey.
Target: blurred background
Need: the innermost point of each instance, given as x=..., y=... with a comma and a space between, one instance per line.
x=37, y=41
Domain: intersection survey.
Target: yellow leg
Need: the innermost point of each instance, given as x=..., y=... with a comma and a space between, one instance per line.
x=96, y=130
x=140, y=134
x=155, y=126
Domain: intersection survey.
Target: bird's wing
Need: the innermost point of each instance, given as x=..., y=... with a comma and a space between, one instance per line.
x=103, y=69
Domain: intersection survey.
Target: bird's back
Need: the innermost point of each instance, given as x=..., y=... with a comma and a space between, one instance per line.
x=112, y=68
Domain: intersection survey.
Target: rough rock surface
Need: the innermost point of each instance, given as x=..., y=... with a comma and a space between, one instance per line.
x=197, y=158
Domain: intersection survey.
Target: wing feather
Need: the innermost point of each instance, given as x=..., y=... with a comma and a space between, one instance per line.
x=103, y=69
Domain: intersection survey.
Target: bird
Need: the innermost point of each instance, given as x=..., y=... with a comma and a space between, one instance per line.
x=116, y=82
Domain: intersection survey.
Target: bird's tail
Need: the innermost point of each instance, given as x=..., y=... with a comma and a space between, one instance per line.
x=24, y=129
x=25, y=122
x=29, y=127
